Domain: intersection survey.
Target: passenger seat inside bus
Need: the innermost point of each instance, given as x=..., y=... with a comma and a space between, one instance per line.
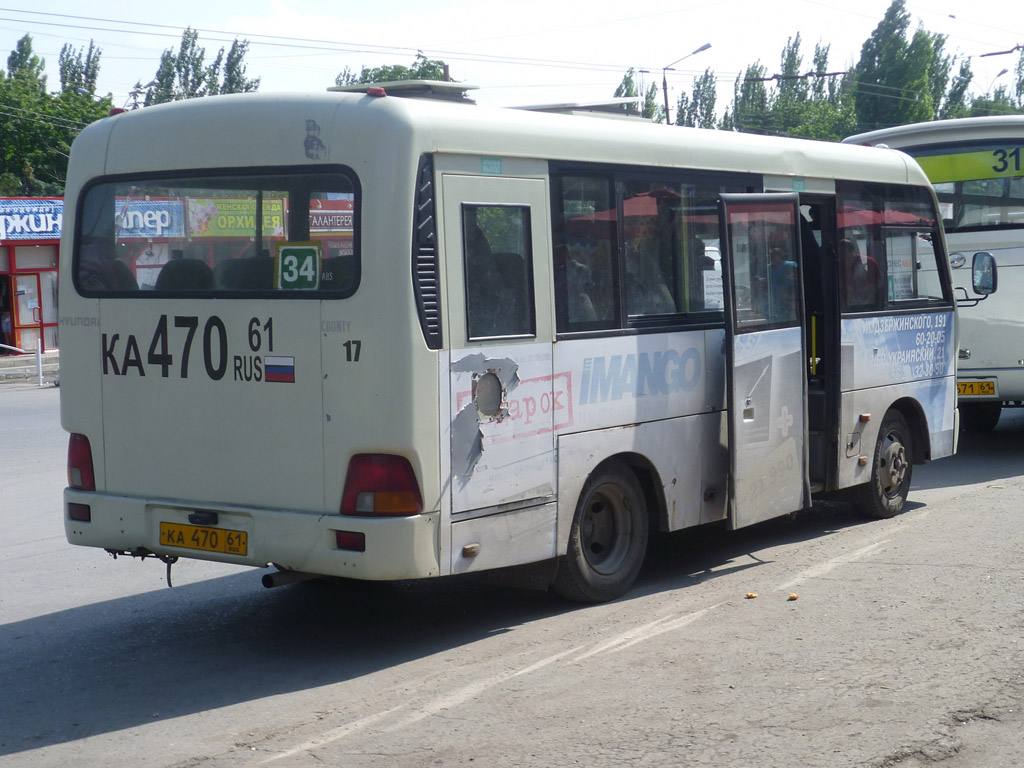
x=185, y=275
x=252, y=273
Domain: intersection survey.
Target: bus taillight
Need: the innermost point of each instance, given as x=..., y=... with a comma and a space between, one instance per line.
x=80, y=474
x=380, y=484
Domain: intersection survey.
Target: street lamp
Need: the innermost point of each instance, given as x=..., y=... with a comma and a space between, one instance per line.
x=992, y=84
x=138, y=90
x=664, y=76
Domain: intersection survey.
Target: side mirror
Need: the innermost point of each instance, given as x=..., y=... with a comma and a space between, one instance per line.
x=984, y=274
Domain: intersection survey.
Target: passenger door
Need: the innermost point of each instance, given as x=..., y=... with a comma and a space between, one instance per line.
x=503, y=402
x=765, y=357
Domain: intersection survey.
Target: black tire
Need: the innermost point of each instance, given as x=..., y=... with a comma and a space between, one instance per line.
x=608, y=539
x=979, y=418
x=892, y=464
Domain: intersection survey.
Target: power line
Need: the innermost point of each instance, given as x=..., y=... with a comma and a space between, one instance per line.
x=43, y=117
x=280, y=41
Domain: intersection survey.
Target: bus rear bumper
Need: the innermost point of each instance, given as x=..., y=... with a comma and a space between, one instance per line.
x=975, y=384
x=395, y=548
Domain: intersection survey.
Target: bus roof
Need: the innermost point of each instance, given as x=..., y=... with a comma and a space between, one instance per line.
x=208, y=132
x=943, y=131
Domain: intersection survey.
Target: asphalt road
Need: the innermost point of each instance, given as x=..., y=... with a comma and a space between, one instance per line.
x=903, y=647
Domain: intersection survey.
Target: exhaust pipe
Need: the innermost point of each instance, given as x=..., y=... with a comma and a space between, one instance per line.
x=280, y=578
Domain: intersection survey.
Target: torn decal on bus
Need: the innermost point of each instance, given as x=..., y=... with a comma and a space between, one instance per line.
x=498, y=407
x=467, y=436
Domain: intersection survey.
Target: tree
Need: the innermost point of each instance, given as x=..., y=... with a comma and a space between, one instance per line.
x=235, y=80
x=751, y=101
x=37, y=128
x=649, y=107
x=955, y=102
x=185, y=75
x=1018, y=88
x=893, y=84
x=421, y=69
x=652, y=108
x=999, y=102
x=24, y=65
x=791, y=104
x=698, y=110
x=78, y=70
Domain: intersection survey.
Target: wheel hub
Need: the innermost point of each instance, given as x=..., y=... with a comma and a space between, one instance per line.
x=892, y=465
x=605, y=529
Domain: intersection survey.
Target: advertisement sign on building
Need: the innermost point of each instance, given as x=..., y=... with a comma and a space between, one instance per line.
x=30, y=219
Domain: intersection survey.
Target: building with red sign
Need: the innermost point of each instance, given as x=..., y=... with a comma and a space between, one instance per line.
x=29, y=251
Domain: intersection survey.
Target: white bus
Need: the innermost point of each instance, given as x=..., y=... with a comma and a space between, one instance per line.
x=975, y=166
x=364, y=336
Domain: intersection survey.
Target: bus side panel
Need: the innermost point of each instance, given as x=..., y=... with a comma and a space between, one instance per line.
x=79, y=317
x=715, y=440
x=886, y=359
x=503, y=453
x=889, y=349
x=80, y=384
x=511, y=538
x=672, y=446
x=632, y=379
x=647, y=382
x=936, y=401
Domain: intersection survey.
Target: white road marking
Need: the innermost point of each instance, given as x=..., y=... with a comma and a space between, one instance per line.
x=645, y=632
x=471, y=691
x=335, y=734
x=817, y=571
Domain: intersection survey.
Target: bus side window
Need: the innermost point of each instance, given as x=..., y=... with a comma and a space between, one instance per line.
x=499, y=277
x=860, y=276
x=886, y=251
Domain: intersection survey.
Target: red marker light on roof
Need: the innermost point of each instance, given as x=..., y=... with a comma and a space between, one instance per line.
x=376, y=90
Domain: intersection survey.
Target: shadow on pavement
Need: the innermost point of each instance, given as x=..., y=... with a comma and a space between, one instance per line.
x=980, y=458
x=118, y=664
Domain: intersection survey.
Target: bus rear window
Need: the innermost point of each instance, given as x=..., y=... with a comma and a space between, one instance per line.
x=284, y=234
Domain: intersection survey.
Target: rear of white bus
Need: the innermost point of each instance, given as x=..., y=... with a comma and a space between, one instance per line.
x=241, y=356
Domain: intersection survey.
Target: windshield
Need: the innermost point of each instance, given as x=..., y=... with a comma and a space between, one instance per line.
x=279, y=233
x=979, y=185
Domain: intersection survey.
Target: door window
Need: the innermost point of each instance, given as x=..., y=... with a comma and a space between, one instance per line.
x=766, y=282
x=498, y=268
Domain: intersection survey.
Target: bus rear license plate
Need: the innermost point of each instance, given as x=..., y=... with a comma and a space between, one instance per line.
x=975, y=388
x=204, y=539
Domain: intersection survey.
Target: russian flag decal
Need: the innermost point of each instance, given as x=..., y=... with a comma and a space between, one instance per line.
x=280, y=369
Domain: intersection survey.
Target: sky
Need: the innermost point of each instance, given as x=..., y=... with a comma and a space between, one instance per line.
x=518, y=53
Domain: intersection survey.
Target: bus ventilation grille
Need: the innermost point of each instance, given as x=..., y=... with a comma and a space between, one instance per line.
x=425, y=269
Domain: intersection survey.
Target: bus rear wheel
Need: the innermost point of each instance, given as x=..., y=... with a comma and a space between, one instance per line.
x=608, y=538
x=891, y=468
x=978, y=418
